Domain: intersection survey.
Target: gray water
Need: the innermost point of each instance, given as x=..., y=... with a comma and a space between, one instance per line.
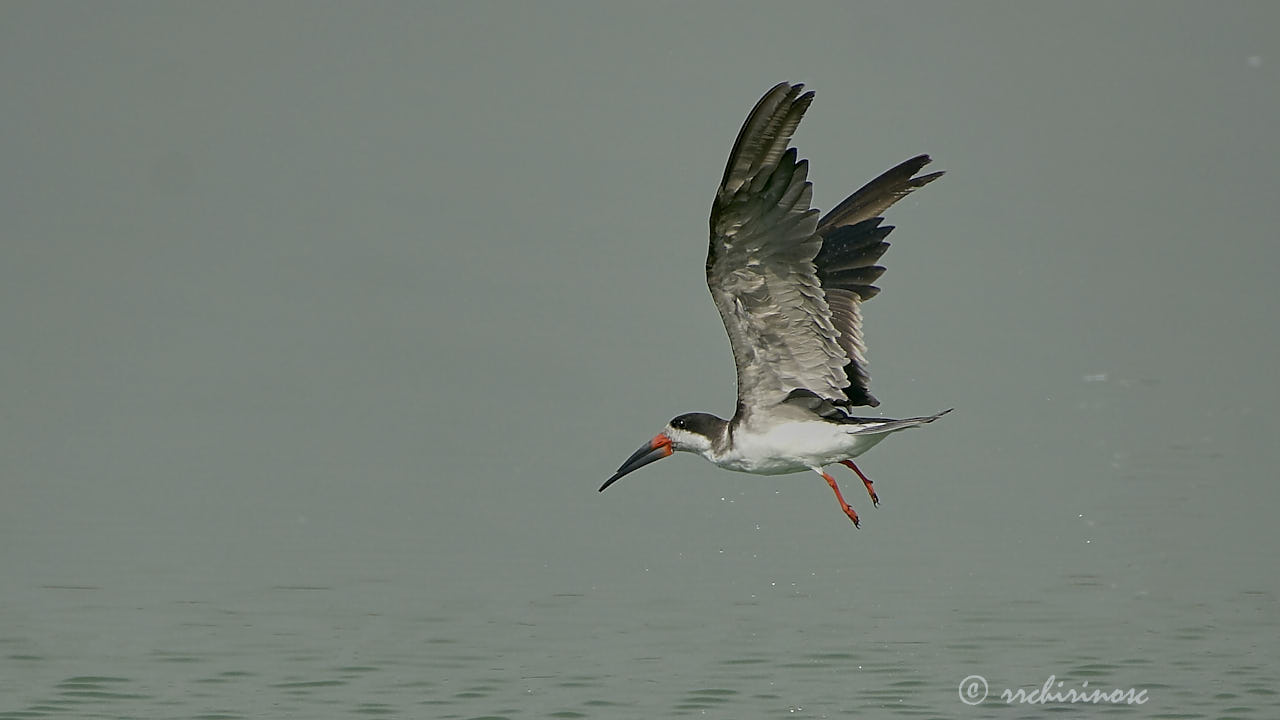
x=321, y=324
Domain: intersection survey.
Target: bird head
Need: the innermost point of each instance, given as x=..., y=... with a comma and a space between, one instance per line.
x=691, y=432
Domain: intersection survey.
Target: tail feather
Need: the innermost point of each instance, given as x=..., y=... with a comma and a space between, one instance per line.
x=887, y=426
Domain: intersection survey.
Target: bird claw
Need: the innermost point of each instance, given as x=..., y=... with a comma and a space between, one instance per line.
x=866, y=481
x=848, y=509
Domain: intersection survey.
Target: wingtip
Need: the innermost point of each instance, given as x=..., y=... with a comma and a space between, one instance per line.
x=926, y=179
x=916, y=164
x=880, y=194
x=795, y=90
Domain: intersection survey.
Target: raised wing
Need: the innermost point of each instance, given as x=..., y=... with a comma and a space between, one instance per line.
x=760, y=263
x=852, y=241
x=788, y=287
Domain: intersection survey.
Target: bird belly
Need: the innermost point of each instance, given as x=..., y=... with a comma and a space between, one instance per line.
x=794, y=447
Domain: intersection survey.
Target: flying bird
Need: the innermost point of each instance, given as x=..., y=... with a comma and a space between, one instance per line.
x=789, y=287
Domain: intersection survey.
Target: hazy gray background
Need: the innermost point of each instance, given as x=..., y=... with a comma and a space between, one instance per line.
x=320, y=324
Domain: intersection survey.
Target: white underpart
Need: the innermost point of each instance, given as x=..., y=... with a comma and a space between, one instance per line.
x=795, y=446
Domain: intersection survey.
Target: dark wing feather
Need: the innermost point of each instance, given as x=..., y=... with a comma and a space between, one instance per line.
x=853, y=239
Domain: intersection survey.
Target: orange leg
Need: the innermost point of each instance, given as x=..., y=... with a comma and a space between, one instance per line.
x=848, y=509
x=875, y=500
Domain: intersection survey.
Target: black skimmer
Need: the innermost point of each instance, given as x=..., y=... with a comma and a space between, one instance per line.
x=789, y=287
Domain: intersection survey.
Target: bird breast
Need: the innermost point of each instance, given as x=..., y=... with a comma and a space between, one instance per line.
x=793, y=447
